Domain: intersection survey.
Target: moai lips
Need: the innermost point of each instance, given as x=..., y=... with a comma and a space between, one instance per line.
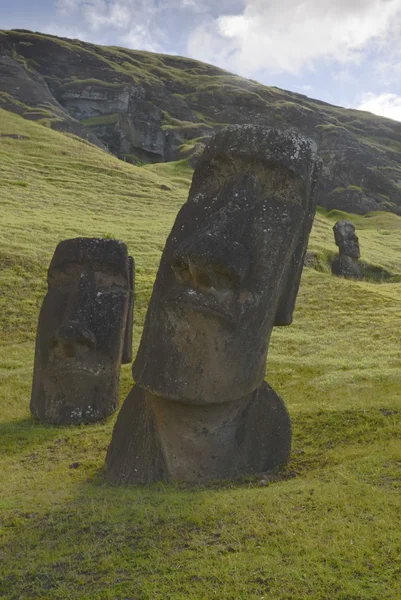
x=81, y=330
x=230, y=271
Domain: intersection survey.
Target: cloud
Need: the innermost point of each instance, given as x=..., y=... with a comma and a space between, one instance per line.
x=385, y=105
x=66, y=7
x=158, y=25
x=129, y=23
x=291, y=35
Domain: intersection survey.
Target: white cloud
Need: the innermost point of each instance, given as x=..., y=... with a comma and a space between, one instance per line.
x=115, y=14
x=343, y=75
x=125, y=22
x=290, y=35
x=66, y=7
x=385, y=105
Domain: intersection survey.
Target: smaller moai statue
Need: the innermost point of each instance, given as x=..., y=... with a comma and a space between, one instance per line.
x=82, y=336
x=346, y=264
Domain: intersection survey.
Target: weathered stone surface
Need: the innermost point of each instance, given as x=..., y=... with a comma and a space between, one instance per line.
x=160, y=440
x=81, y=330
x=32, y=99
x=346, y=264
x=229, y=272
x=127, y=349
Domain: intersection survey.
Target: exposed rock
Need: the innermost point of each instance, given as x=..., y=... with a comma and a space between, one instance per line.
x=80, y=335
x=230, y=271
x=147, y=108
x=25, y=92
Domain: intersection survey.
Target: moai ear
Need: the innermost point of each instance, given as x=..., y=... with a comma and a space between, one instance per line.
x=290, y=288
x=127, y=347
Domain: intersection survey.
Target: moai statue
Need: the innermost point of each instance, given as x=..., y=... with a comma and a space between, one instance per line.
x=81, y=332
x=346, y=264
x=230, y=271
x=127, y=348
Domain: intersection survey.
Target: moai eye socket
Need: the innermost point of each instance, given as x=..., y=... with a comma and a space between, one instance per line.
x=181, y=270
x=223, y=277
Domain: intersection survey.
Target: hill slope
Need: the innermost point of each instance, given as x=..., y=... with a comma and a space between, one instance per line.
x=148, y=108
x=328, y=527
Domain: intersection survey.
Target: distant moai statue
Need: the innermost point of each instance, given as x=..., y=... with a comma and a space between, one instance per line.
x=82, y=332
x=346, y=264
x=230, y=271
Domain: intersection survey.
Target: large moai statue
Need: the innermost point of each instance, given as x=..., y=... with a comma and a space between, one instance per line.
x=230, y=271
x=346, y=264
x=82, y=331
x=127, y=347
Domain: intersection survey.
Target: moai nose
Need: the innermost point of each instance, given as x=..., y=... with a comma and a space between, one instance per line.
x=74, y=328
x=74, y=332
x=202, y=274
x=211, y=261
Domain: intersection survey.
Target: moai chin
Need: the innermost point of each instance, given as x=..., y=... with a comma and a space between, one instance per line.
x=230, y=271
x=81, y=332
x=346, y=264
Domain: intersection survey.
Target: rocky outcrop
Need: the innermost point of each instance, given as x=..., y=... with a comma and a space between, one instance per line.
x=147, y=107
x=25, y=92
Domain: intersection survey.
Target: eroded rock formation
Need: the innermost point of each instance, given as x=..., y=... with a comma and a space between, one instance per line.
x=230, y=271
x=149, y=107
x=81, y=332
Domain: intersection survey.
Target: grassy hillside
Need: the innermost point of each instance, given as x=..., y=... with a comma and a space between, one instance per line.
x=327, y=527
x=150, y=108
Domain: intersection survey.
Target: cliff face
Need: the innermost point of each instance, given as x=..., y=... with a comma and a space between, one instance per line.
x=148, y=107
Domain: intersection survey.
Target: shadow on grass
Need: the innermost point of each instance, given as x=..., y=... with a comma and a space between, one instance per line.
x=322, y=261
x=19, y=435
x=317, y=437
x=120, y=537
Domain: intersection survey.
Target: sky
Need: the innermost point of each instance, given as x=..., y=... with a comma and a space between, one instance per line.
x=345, y=52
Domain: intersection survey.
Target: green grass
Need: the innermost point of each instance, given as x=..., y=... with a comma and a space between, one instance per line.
x=108, y=119
x=327, y=527
x=94, y=82
x=205, y=96
x=171, y=123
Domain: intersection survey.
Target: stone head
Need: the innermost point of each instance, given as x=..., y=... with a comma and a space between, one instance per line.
x=231, y=267
x=81, y=332
x=346, y=239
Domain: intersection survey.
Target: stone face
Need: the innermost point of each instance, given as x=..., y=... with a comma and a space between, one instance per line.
x=81, y=331
x=229, y=272
x=346, y=264
x=346, y=239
